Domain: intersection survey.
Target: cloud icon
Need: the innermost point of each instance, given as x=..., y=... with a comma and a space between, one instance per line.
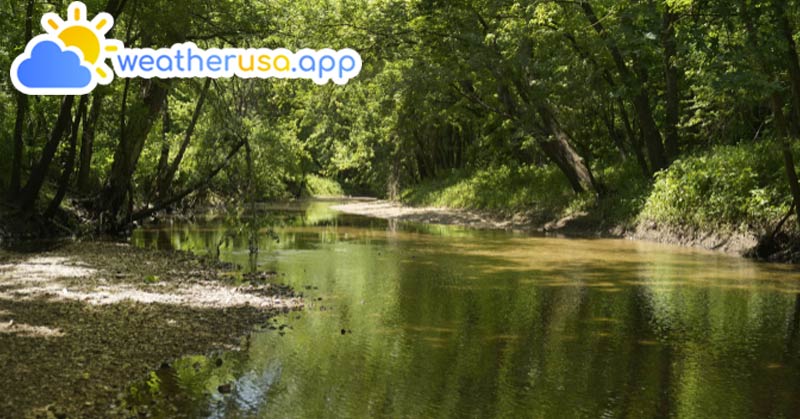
x=47, y=68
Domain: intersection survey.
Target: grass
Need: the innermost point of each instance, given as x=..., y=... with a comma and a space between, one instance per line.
x=538, y=191
x=736, y=188
x=318, y=186
x=726, y=188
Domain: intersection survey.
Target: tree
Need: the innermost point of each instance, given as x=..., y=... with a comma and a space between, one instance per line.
x=22, y=112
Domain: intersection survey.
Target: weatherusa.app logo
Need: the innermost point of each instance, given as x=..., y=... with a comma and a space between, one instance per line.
x=70, y=59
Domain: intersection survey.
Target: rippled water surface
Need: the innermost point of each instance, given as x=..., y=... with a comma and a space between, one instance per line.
x=415, y=321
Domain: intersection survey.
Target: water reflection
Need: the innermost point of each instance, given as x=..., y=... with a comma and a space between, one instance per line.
x=448, y=322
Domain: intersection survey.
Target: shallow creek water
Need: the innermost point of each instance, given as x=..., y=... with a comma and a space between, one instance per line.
x=415, y=321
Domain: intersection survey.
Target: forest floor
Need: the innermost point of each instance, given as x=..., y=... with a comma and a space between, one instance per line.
x=582, y=224
x=81, y=321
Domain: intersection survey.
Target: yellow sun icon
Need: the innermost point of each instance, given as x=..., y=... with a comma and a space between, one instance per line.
x=88, y=37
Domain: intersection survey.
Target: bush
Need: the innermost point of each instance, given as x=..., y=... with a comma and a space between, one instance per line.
x=740, y=187
x=318, y=186
x=501, y=189
x=626, y=193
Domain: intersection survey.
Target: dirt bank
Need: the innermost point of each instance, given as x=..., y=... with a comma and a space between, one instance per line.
x=434, y=215
x=741, y=244
x=80, y=322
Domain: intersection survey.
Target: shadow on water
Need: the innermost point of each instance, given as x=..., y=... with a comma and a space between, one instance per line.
x=410, y=320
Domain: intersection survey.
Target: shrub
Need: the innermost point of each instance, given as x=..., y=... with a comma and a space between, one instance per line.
x=737, y=187
x=319, y=186
x=502, y=189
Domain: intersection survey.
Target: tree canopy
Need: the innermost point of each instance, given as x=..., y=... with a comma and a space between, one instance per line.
x=446, y=86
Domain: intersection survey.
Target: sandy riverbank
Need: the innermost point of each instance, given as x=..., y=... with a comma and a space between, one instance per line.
x=80, y=322
x=580, y=225
x=434, y=215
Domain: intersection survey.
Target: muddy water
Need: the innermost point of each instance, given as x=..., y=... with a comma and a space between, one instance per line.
x=413, y=321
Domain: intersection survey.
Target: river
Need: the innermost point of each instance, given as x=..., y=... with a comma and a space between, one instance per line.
x=416, y=321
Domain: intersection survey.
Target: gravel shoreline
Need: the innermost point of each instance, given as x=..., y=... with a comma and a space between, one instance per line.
x=81, y=322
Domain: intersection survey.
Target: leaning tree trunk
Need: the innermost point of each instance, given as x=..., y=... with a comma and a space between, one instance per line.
x=130, y=146
x=633, y=138
x=641, y=99
x=30, y=193
x=166, y=181
x=558, y=149
x=66, y=174
x=22, y=111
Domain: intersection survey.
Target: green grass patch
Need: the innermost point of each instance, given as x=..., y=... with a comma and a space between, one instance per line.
x=741, y=187
x=727, y=188
x=503, y=189
x=318, y=186
x=626, y=191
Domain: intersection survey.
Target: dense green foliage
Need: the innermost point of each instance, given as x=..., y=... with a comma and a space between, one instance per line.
x=500, y=189
x=727, y=186
x=317, y=186
x=544, y=106
x=539, y=195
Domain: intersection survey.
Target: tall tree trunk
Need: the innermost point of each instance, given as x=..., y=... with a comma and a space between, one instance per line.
x=393, y=183
x=169, y=175
x=30, y=194
x=782, y=126
x=790, y=131
x=66, y=174
x=87, y=141
x=163, y=159
x=19, y=145
x=609, y=120
x=129, y=148
x=635, y=139
x=641, y=99
x=671, y=78
x=792, y=63
x=786, y=149
x=114, y=8
x=22, y=112
x=558, y=149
